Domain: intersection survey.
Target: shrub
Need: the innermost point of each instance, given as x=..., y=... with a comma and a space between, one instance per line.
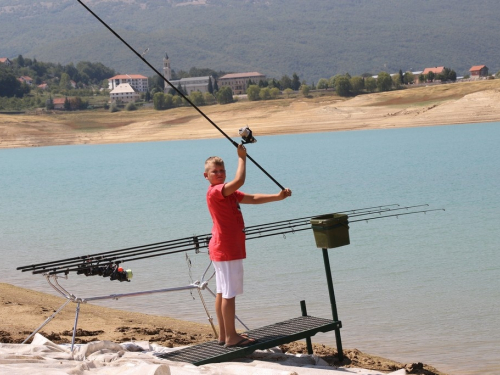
x=131, y=107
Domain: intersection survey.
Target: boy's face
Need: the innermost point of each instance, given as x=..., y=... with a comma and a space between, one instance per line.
x=215, y=174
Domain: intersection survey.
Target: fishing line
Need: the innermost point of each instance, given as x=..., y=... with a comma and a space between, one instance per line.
x=141, y=56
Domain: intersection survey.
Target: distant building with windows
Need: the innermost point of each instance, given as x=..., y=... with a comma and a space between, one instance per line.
x=191, y=84
x=238, y=81
x=125, y=93
x=188, y=85
x=136, y=81
x=478, y=71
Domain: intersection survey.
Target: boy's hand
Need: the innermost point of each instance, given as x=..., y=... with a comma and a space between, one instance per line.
x=285, y=193
x=242, y=151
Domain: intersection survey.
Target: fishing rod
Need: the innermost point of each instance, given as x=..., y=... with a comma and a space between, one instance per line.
x=246, y=133
x=196, y=241
x=108, y=263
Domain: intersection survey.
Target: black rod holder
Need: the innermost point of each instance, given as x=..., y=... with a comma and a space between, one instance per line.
x=329, y=281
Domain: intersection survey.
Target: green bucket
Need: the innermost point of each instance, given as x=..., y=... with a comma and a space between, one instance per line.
x=330, y=230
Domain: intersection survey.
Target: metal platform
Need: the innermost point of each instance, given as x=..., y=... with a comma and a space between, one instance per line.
x=267, y=337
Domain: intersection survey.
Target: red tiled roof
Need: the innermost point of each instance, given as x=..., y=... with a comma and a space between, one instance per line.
x=435, y=70
x=129, y=76
x=4, y=59
x=476, y=68
x=242, y=75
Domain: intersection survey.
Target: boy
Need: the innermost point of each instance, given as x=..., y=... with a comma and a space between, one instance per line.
x=227, y=245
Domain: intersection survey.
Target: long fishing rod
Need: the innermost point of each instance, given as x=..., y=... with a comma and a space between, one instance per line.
x=141, y=56
x=186, y=241
x=184, y=244
x=108, y=264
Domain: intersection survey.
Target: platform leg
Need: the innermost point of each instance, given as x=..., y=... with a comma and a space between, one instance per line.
x=308, y=339
x=74, y=327
x=329, y=281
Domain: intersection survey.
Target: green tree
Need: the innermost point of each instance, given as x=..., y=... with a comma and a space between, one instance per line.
x=305, y=90
x=275, y=92
x=225, y=95
x=131, y=107
x=357, y=84
x=396, y=81
x=343, y=86
x=177, y=101
x=430, y=76
x=20, y=61
x=78, y=103
x=295, y=82
x=265, y=93
x=49, y=104
x=65, y=82
x=285, y=82
x=168, y=101
x=332, y=82
x=370, y=84
x=159, y=101
x=409, y=78
x=288, y=92
x=384, y=81
x=210, y=86
x=67, y=104
x=209, y=98
x=253, y=92
x=9, y=85
x=322, y=84
x=196, y=98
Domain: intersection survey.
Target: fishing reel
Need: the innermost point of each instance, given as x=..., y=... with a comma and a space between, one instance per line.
x=121, y=275
x=113, y=271
x=246, y=135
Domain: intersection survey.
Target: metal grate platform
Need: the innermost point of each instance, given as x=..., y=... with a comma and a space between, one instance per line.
x=268, y=337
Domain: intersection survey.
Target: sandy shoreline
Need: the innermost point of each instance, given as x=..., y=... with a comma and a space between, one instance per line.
x=23, y=310
x=457, y=103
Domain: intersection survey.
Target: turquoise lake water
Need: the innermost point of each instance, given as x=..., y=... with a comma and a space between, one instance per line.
x=422, y=287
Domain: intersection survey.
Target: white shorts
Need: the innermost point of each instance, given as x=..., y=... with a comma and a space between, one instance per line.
x=229, y=277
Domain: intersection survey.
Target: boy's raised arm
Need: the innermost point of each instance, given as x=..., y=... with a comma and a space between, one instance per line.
x=266, y=198
x=239, y=179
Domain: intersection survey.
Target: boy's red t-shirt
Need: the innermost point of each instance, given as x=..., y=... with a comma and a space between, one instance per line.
x=228, y=236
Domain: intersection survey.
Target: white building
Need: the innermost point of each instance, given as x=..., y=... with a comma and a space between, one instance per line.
x=191, y=84
x=124, y=93
x=137, y=81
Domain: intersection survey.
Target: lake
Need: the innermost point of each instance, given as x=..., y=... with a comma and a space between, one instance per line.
x=423, y=287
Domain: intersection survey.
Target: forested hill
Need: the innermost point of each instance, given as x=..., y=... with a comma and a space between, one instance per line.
x=314, y=38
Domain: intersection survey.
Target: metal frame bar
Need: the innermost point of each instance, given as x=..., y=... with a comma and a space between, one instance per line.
x=52, y=280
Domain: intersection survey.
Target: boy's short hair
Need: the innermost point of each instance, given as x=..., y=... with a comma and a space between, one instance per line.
x=213, y=160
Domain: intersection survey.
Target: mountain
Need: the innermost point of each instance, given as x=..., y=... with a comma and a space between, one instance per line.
x=313, y=38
